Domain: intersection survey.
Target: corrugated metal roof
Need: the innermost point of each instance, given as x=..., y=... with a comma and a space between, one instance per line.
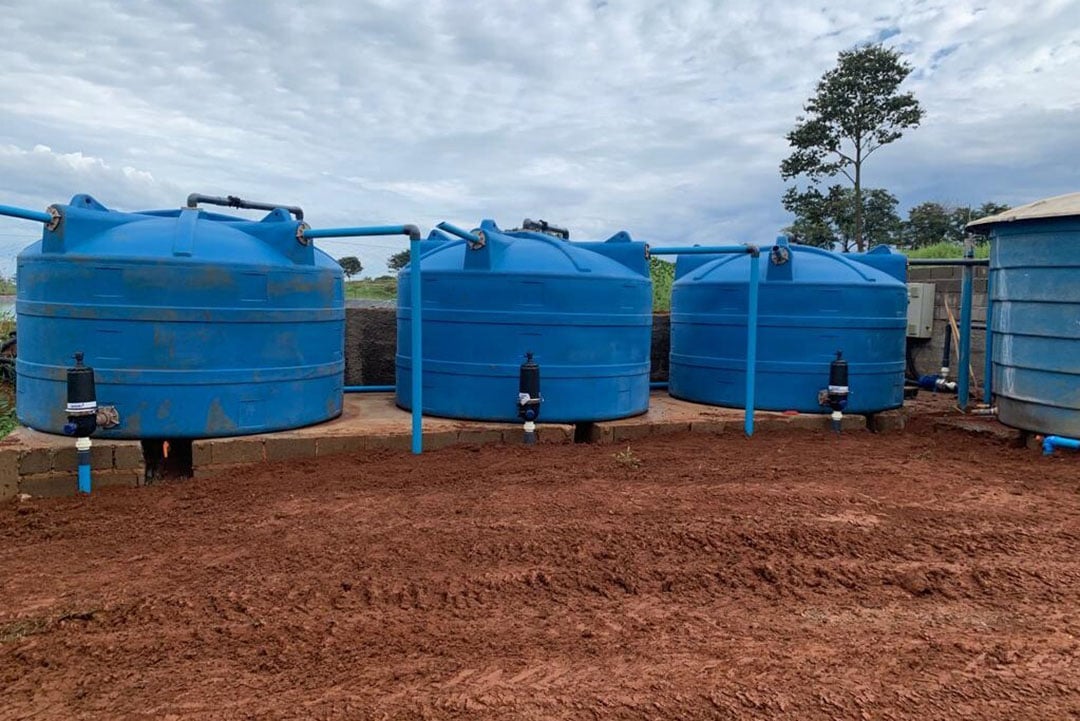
x=1060, y=206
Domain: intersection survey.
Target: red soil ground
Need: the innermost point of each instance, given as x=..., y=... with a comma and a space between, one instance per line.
x=925, y=575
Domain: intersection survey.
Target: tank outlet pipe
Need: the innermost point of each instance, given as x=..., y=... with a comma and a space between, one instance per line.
x=1052, y=442
x=232, y=201
x=82, y=416
x=529, y=399
x=305, y=234
x=751, y=306
x=50, y=216
x=369, y=389
x=659, y=385
x=984, y=411
x=476, y=240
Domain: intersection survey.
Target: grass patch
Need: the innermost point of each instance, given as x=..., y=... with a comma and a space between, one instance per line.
x=382, y=288
x=663, y=275
x=947, y=250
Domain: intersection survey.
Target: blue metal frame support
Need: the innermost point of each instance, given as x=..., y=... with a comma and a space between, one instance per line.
x=752, y=310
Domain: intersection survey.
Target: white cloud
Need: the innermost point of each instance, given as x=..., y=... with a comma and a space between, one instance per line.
x=663, y=118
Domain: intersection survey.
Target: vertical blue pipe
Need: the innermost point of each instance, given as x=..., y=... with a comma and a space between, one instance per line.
x=751, y=342
x=988, y=369
x=417, y=349
x=963, y=380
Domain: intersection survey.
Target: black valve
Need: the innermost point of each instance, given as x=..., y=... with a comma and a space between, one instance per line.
x=836, y=396
x=529, y=396
x=81, y=400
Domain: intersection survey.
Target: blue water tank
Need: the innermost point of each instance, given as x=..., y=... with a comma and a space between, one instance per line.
x=196, y=324
x=1035, y=290
x=583, y=309
x=812, y=304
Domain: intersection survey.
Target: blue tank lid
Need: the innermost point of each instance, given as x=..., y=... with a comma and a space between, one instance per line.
x=91, y=229
x=787, y=261
x=524, y=251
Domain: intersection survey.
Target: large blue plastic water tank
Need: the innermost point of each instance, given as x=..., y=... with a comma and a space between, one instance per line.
x=583, y=309
x=812, y=304
x=196, y=324
x=1035, y=286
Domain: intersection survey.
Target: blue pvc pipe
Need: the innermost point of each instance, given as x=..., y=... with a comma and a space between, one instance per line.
x=24, y=214
x=454, y=230
x=369, y=389
x=751, y=342
x=659, y=385
x=1051, y=442
x=988, y=367
x=417, y=347
x=84, y=474
x=312, y=234
x=963, y=376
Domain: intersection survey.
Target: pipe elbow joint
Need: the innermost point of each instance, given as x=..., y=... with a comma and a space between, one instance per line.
x=412, y=231
x=753, y=250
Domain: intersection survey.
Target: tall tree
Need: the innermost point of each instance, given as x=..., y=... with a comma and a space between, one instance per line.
x=397, y=261
x=827, y=220
x=350, y=265
x=856, y=109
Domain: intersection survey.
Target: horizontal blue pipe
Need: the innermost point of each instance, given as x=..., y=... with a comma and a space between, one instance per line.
x=702, y=249
x=454, y=230
x=369, y=389
x=659, y=385
x=1051, y=442
x=312, y=233
x=24, y=214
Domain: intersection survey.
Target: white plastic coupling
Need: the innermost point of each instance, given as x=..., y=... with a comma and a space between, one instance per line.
x=82, y=444
x=530, y=427
x=837, y=416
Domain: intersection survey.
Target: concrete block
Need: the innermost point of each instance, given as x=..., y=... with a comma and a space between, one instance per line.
x=216, y=470
x=339, y=445
x=128, y=456
x=35, y=461
x=241, y=450
x=892, y=421
x=480, y=436
x=202, y=452
x=979, y=286
x=114, y=478
x=280, y=449
x=920, y=274
x=944, y=273
x=391, y=442
x=435, y=440
x=555, y=434
x=49, y=484
x=601, y=433
x=9, y=473
x=630, y=432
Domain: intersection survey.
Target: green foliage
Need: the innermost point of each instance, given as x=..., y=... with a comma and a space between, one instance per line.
x=384, y=288
x=8, y=422
x=350, y=265
x=663, y=276
x=856, y=109
x=397, y=261
x=932, y=223
x=7, y=286
x=948, y=250
x=827, y=220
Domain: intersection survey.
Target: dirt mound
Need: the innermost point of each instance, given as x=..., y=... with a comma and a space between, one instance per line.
x=801, y=575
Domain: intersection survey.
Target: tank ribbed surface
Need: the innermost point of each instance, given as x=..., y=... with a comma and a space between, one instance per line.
x=196, y=324
x=583, y=309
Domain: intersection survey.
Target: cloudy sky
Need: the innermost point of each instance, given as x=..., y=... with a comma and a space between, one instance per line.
x=662, y=117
